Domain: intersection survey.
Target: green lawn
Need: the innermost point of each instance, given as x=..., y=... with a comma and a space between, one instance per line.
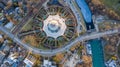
x=42, y=47
x=27, y=27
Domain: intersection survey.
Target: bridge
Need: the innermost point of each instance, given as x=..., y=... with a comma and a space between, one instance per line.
x=64, y=48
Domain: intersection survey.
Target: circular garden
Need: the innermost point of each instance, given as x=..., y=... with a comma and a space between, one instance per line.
x=55, y=26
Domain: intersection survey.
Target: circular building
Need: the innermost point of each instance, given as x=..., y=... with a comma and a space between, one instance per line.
x=57, y=26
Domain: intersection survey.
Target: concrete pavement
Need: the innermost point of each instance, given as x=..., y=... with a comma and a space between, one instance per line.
x=72, y=62
x=69, y=2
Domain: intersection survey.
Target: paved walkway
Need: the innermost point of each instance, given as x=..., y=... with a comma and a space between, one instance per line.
x=78, y=15
x=29, y=32
x=28, y=17
x=74, y=59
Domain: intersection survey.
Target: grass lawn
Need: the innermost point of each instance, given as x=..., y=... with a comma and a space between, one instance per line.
x=27, y=27
x=42, y=47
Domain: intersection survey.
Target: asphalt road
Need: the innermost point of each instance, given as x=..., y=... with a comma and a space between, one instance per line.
x=59, y=50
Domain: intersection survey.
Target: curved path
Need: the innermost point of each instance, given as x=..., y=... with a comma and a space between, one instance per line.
x=78, y=15
x=64, y=48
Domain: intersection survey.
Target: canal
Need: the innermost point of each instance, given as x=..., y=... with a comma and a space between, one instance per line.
x=97, y=53
x=96, y=45
x=87, y=14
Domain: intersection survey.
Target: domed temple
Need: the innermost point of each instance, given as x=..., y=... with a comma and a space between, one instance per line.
x=56, y=25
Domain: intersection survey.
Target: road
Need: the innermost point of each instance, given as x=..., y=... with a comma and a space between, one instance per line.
x=59, y=50
x=77, y=15
x=29, y=16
